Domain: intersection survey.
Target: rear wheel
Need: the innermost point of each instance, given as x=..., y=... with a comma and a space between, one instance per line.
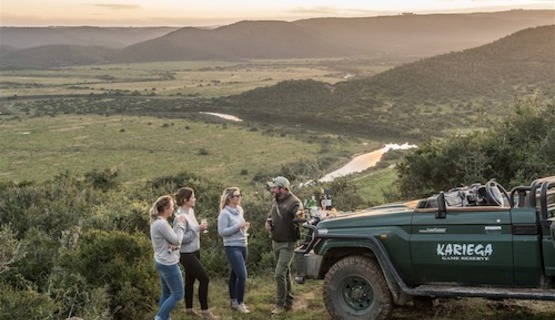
x=355, y=288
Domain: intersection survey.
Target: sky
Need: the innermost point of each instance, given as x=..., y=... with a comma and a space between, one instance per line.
x=222, y=12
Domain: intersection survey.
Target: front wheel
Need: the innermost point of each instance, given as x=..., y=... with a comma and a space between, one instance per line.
x=355, y=288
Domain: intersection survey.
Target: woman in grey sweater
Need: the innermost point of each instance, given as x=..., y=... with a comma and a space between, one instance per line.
x=165, y=242
x=232, y=227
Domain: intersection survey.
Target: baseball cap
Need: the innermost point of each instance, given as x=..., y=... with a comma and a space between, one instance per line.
x=279, y=182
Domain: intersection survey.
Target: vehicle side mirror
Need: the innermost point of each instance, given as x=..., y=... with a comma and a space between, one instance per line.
x=441, y=208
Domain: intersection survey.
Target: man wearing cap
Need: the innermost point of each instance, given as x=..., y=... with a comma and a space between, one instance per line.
x=281, y=223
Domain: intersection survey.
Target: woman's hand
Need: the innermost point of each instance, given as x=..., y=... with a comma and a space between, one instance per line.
x=180, y=219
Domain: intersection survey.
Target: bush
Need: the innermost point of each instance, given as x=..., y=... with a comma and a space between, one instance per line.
x=40, y=258
x=25, y=304
x=11, y=250
x=514, y=151
x=103, y=180
x=85, y=245
x=123, y=263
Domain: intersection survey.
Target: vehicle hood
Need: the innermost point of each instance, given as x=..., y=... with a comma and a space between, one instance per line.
x=393, y=214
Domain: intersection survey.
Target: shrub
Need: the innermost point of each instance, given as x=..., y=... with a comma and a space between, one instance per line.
x=25, y=304
x=11, y=250
x=40, y=258
x=123, y=263
x=103, y=180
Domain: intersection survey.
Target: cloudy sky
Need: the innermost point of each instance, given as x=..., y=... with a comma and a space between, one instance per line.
x=218, y=12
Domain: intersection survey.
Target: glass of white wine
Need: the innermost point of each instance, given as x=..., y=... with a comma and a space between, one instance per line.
x=245, y=230
x=205, y=222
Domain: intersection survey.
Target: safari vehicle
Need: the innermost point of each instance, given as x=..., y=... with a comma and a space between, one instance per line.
x=476, y=241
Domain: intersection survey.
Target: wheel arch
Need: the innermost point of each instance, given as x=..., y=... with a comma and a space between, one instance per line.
x=337, y=249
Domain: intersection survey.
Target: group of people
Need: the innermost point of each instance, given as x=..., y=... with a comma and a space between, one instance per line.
x=180, y=244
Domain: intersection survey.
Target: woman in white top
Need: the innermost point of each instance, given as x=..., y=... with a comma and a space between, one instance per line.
x=190, y=254
x=165, y=242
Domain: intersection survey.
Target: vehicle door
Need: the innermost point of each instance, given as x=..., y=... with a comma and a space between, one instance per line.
x=470, y=245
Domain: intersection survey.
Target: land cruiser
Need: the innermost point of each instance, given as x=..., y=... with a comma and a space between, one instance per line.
x=474, y=241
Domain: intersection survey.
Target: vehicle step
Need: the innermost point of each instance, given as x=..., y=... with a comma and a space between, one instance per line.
x=486, y=292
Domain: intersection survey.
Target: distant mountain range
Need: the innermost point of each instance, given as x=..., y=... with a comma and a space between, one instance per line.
x=401, y=35
x=109, y=37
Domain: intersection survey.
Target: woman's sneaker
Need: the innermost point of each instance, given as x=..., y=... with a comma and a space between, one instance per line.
x=241, y=307
x=208, y=315
x=191, y=313
x=234, y=304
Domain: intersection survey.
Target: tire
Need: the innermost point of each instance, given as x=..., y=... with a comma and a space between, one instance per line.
x=355, y=288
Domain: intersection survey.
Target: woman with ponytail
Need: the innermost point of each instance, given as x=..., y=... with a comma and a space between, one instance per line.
x=166, y=242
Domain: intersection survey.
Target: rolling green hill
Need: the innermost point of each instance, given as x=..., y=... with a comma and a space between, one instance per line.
x=465, y=89
x=459, y=89
x=519, y=62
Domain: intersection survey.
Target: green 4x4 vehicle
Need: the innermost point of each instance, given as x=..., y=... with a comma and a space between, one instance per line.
x=475, y=241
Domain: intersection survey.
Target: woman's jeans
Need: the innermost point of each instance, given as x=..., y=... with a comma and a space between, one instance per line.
x=237, y=256
x=171, y=284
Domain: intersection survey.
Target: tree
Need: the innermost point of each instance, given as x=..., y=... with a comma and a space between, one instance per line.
x=515, y=151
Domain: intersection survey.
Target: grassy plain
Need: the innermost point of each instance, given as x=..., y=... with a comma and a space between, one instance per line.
x=142, y=148
x=204, y=78
x=373, y=183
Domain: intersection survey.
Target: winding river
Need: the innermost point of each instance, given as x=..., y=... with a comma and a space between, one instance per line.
x=357, y=164
x=363, y=161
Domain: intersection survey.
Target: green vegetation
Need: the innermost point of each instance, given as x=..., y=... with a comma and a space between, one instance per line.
x=415, y=101
x=141, y=148
x=483, y=77
x=179, y=78
x=427, y=98
x=514, y=152
x=78, y=246
x=87, y=149
x=72, y=238
x=375, y=185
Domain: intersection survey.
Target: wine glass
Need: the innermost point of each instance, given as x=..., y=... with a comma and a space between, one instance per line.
x=246, y=229
x=204, y=221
